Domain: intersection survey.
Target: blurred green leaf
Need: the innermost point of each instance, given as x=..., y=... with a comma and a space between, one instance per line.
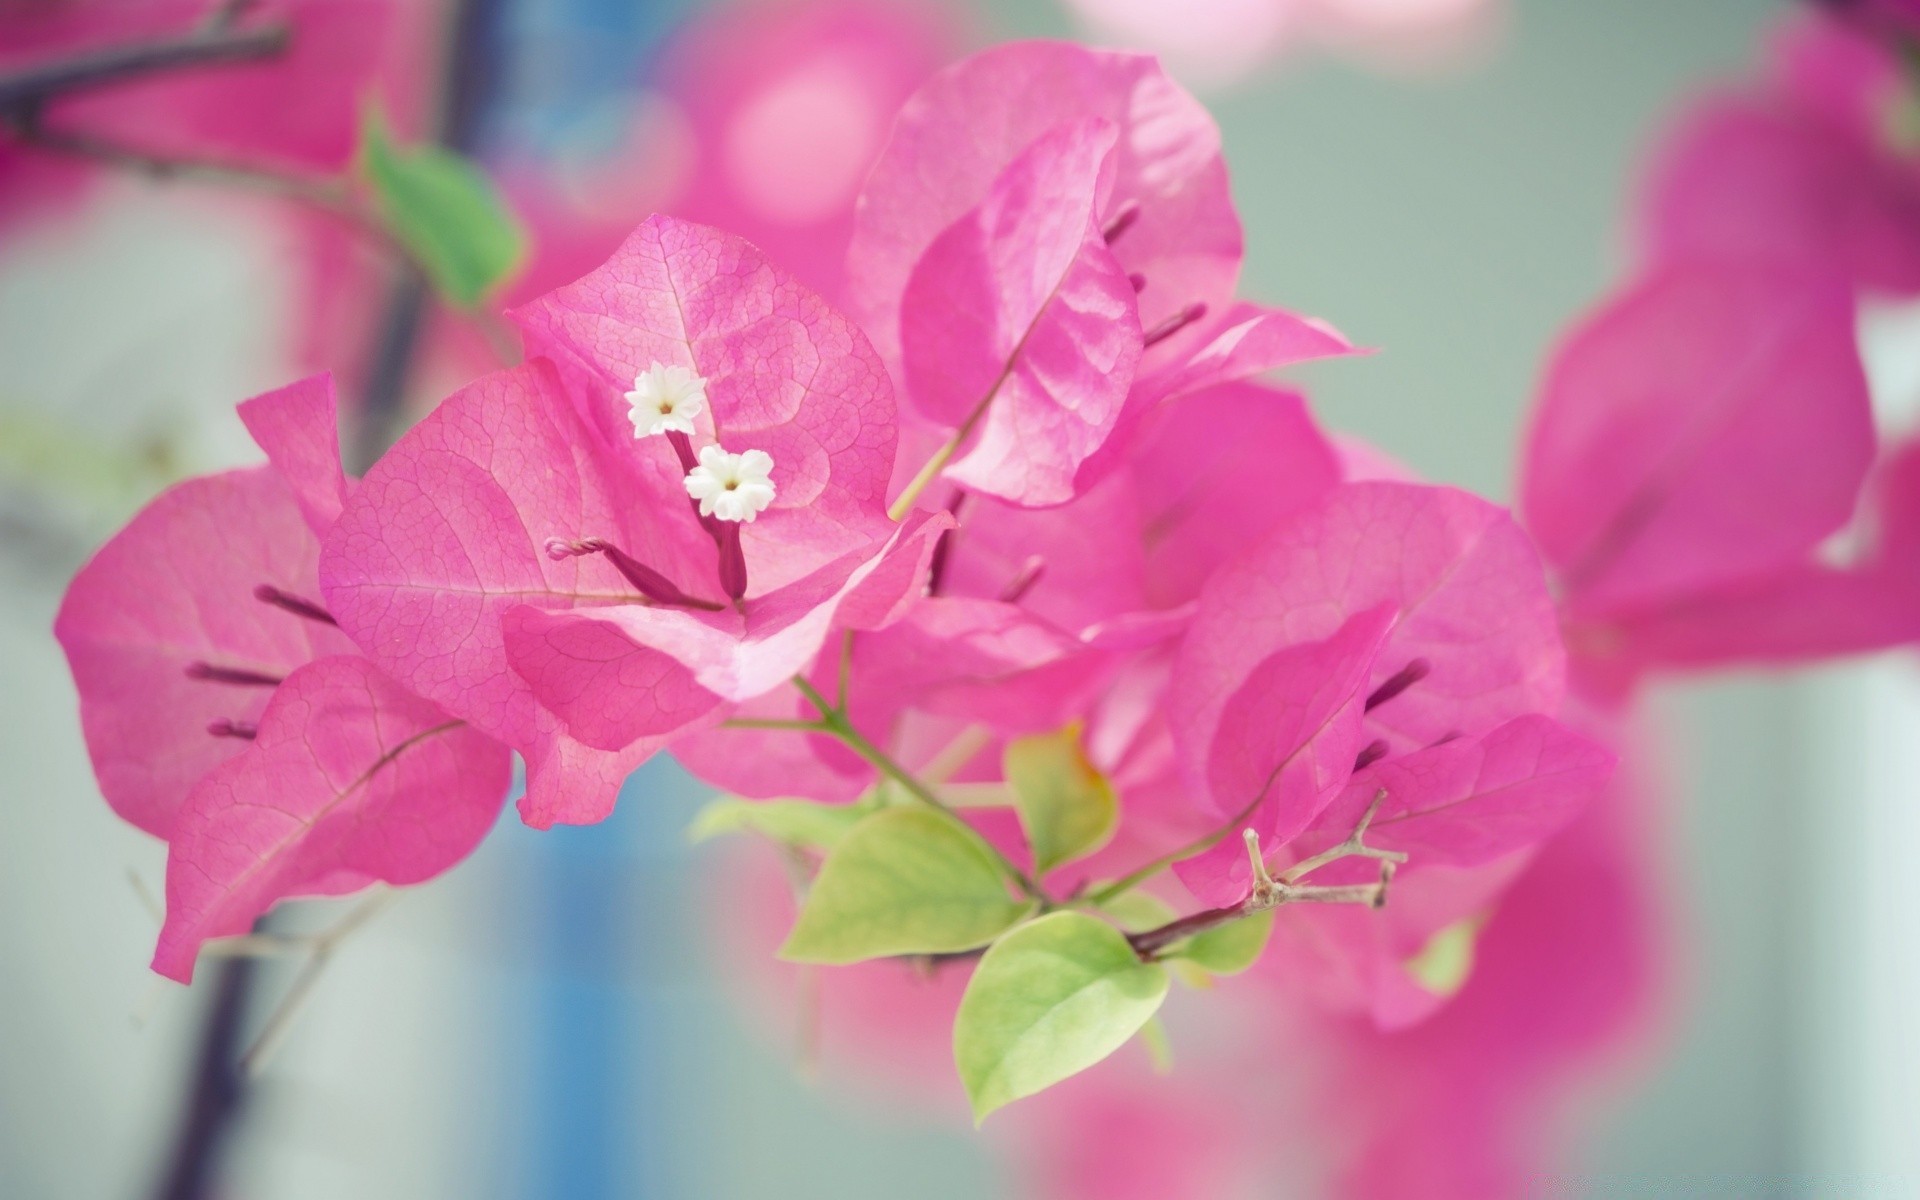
x=1066, y=806
x=903, y=881
x=1139, y=911
x=1444, y=963
x=1049, y=1000
x=795, y=822
x=1159, y=1045
x=444, y=210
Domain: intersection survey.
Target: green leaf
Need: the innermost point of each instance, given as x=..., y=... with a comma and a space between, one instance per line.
x=1066, y=806
x=444, y=210
x=903, y=881
x=1159, y=1045
x=795, y=822
x=1231, y=948
x=1049, y=1000
x=1139, y=911
x=1443, y=964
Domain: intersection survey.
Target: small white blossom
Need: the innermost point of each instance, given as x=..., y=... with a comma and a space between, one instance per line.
x=732, y=487
x=666, y=400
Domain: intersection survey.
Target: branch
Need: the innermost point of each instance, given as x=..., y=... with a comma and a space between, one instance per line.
x=24, y=91
x=1270, y=892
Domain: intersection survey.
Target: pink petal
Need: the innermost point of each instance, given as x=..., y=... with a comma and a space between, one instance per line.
x=1279, y=747
x=572, y=783
x=607, y=692
x=1215, y=472
x=784, y=373
x=1802, y=173
x=1709, y=425
x=351, y=780
x=447, y=532
x=582, y=665
x=1248, y=340
x=1473, y=800
x=1463, y=577
x=1019, y=323
x=174, y=588
x=298, y=427
x=1798, y=615
x=1352, y=959
x=956, y=135
x=978, y=661
x=769, y=763
x=1088, y=555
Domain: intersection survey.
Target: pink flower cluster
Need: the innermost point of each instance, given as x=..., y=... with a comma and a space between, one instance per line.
x=678, y=506
x=1026, y=482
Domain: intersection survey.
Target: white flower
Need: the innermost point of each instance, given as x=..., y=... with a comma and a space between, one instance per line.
x=666, y=399
x=733, y=487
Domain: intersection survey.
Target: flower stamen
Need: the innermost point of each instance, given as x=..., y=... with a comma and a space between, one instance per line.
x=1399, y=682
x=299, y=606
x=647, y=581
x=233, y=675
x=1175, y=323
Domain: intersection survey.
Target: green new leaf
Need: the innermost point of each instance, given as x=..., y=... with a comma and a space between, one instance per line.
x=1139, y=911
x=1065, y=805
x=443, y=210
x=1231, y=948
x=903, y=881
x=795, y=822
x=1159, y=1046
x=1049, y=1000
x=1443, y=964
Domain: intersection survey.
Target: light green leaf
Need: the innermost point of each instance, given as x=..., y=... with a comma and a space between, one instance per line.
x=903, y=881
x=444, y=210
x=1049, y=1000
x=1231, y=948
x=795, y=822
x=1066, y=806
x=1443, y=964
x=1139, y=911
x=1159, y=1045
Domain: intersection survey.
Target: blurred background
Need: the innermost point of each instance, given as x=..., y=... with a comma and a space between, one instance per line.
x=551, y=1018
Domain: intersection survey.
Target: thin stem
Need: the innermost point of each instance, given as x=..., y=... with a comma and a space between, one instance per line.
x=773, y=723
x=956, y=753
x=1271, y=892
x=1149, y=943
x=845, y=675
x=1354, y=845
x=930, y=472
x=944, y=455
x=814, y=697
x=280, y=1024
x=213, y=44
x=324, y=192
x=833, y=720
x=1140, y=875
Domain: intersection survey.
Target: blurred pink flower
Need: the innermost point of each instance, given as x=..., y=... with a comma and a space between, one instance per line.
x=1216, y=42
x=226, y=714
x=1812, y=165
